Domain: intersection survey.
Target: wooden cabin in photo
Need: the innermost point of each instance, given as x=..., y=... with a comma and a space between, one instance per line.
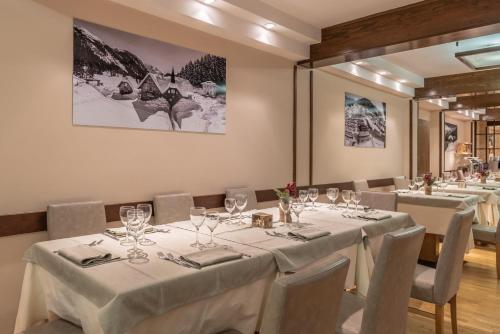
x=209, y=88
x=125, y=87
x=150, y=88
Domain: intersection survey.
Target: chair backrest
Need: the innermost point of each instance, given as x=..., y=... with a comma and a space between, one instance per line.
x=460, y=175
x=307, y=301
x=497, y=234
x=251, y=196
x=401, y=182
x=67, y=220
x=389, y=291
x=172, y=207
x=361, y=185
x=450, y=263
x=379, y=200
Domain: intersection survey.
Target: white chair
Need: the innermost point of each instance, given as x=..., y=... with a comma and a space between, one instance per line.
x=379, y=200
x=75, y=219
x=172, y=207
x=401, y=182
x=489, y=235
x=361, y=185
x=251, y=196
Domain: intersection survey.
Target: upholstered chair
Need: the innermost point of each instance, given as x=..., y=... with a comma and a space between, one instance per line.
x=401, y=182
x=379, y=200
x=75, y=219
x=384, y=311
x=489, y=235
x=361, y=185
x=172, y=207
x=440, y=286
x=305, y=302
x=59, y=326
x=251, y=196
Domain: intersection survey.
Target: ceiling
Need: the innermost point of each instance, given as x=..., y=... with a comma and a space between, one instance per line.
x=325, y=13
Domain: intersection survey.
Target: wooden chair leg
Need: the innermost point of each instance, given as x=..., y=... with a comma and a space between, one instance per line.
x=498, y=261
x=439, y=319
x=453, y=307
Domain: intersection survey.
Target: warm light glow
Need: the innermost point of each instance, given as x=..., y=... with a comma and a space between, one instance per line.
x=208, y=2
x=359, y=62
x=383, y=73
x=403, y=81
x=269, y=25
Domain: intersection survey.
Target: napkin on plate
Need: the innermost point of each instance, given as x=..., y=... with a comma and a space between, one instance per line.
x=211, y=256
x=375, y=215
x=308, y=233
x=86, y=256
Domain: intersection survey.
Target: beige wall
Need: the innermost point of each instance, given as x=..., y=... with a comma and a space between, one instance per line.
x=334, y=162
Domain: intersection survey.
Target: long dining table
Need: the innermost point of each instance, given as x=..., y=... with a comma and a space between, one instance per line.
x=121, y=297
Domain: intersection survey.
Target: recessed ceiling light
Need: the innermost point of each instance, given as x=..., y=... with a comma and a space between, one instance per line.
x=359, y=62
x=383, y=73
x=403, y=81
x=208, y=2
x=269, y=25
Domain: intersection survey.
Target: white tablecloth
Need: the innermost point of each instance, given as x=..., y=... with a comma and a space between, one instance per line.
x=121, y=297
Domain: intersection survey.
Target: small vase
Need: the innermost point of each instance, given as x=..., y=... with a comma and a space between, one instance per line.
x=288, y=217
x=428, y=189
x=483, y=179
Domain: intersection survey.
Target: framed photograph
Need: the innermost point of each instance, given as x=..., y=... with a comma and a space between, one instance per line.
x=450, y=137
x=125, y=80
x=365, y=122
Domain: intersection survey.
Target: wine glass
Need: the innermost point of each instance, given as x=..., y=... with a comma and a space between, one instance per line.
x=444, y=183
x=135, y=222
x=230, y=205
x=454, y=176
x=197, y=215
x=148, y=211
x=411, y=186
x=313, y=194
x=123, y=217
x=297, y=208
x=211, y=221
x=346, y=197
x=285, y=207
x=303, y=196
x=419, y=181
x=356, y=198
x=241, y=203
x=332, y=194
x=438, y=182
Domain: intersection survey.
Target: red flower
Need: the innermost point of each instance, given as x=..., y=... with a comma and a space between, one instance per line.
x=291, y=188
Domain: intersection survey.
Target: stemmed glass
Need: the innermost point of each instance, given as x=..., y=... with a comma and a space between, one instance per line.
x=332, y=194
x=444, y=183
x=230, y=204
x=148, y=211
x=419, y=181
x=411, y=186
x=285, y=207
x=454, y=176
x=313, y=194
x=211, y=221
x=297, y=208
x=346, y=197
x=241, y=203
x=135, y=223
x=197, y=215
x=303, y=196
x=438, y=182
x=124, y=218
x=356, y=198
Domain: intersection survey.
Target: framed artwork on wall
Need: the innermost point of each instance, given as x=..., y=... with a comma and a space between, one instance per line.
x=128, y=81
x=365, y=122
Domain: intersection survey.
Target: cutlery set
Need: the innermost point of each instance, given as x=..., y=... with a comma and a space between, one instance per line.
x=285, y=236
x=177, y=260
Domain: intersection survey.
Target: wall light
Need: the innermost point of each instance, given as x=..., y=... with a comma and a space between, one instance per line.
x=269, y=25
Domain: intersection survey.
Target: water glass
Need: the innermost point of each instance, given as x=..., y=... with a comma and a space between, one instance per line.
x=332, y=194
x=297, y=208
x=303, y=196
x=123, y=217
x=313, y=194
x=135, y=228
x=148, y=211
x=241, y=203
x=197, y=215
x=356, y=198
x=211, y=221
x=230, y=205
x=346, y=197
x=411, y=185
x=419, y=181
x=285, y=206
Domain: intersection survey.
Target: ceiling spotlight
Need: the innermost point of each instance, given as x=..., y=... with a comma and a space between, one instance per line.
x=269, y=25
x=359, y=62
x=383, y=73
x=403, y=81
x=208, y=2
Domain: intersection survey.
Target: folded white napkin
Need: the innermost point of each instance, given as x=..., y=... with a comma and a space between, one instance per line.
x=375, y=215
x=86, y=256
x=308, y=233
x=211, y=256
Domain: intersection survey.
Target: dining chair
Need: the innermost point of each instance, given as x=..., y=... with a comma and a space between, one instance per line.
x=305, y=302
x=384, y=311
x=379, y=200
x=361, y=185
x=58, y=326
x=489, y=235
x=251, y=196
x=401, y=182
x=440, y=286
x=172, y=207
x=67, y=220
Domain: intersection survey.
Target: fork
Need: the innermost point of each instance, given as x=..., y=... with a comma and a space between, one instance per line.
x=170, y=257
x=95, y=243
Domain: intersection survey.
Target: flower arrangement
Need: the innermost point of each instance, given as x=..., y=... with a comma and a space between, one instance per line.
x=483, y=170
x=290, y=190
x=429, y=180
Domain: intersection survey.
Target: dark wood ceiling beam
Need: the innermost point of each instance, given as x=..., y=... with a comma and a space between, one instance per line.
x=476, y=102
x=491, y=115
x=425, y=23
x=464, y=83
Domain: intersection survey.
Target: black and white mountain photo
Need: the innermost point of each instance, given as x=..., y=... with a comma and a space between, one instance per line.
x=365, y=121
x=125, y=80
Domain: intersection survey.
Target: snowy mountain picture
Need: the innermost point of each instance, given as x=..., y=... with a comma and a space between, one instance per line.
x=364, y=122
x=124, y=80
